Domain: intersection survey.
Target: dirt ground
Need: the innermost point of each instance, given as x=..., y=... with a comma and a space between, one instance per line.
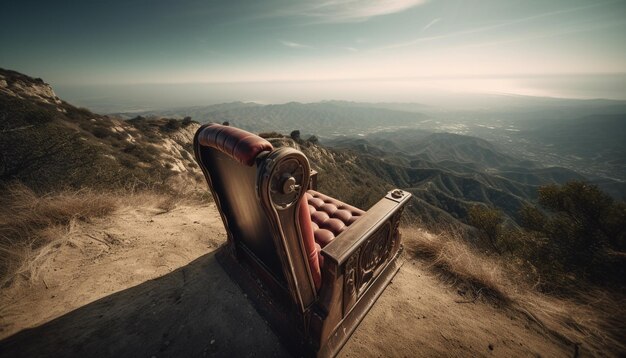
x=146, y=284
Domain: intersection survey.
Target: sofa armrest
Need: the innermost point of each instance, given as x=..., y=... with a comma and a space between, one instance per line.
x=359, y=263
x=342, y=248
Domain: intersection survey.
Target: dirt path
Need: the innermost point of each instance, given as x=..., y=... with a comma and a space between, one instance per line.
x=419, y=316
x=145, y=283
x=109, y=255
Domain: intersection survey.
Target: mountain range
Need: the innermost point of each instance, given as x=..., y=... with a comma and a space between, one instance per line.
x=582, y=135
x=48, y=143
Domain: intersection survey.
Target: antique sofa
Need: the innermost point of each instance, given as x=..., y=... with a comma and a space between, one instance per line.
x=312, y=265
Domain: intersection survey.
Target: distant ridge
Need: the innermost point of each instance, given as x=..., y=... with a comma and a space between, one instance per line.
x=323, y=119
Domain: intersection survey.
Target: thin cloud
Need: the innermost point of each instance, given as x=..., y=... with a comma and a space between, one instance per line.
x=341, y=11
x=557, y=33
x=486, y=28
x=430, y=24
x=294, y=44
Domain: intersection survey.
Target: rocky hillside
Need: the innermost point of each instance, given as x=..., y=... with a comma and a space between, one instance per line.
x=446, y=173
x=49, y=144
x=21, y=86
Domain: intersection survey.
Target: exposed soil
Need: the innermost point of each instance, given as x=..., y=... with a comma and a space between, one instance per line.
x=417, y=315
x=146, y=283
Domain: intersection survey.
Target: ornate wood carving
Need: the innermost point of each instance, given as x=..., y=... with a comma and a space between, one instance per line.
x=282, y=180
x=350, y=281
x=396, y=220
x=285, y=183
x=373, y=255
x=364, y=265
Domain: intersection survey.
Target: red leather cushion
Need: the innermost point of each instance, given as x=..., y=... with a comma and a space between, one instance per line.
x=238, y=144
x=329, y=216
x=311, y=247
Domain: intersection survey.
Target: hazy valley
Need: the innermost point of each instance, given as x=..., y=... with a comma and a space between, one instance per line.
x=581, y=135
x=495, y=150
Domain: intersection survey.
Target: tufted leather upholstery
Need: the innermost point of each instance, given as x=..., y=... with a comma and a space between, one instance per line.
x=240, y=145
x=329, y=216
x=323, y=219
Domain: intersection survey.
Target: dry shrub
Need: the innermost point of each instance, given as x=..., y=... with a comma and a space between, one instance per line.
x=458, y=264
x=181, y=193
x=184, y=191
x=28, y=261
x=31, y=224
x=593, y=321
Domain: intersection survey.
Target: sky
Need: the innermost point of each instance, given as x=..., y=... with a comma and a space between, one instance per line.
x=282, y=50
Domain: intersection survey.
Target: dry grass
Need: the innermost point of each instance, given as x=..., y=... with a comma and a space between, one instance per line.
x=460, y=265
x=593, y=321
x=31, y=225
x=34, y=226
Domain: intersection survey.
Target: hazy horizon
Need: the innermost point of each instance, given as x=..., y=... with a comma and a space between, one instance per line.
x=281, y=51
x=436, y=92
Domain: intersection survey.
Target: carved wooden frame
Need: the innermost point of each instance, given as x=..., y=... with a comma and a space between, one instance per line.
x=283, y=178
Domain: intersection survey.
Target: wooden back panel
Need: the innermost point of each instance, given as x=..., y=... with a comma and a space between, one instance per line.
x=234, y=190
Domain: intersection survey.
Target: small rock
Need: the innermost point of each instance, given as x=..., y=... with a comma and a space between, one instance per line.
x=490, y=346
x=212, y=341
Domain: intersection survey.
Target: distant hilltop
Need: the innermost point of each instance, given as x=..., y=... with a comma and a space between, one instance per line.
x=22, y=86
x=49, y=144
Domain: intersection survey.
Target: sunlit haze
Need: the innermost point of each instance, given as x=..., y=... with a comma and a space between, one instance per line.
x=279, y=51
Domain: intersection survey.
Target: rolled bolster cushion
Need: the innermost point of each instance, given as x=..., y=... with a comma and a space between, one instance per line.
x=238, y=144
x=320, y=257
x=311, y=248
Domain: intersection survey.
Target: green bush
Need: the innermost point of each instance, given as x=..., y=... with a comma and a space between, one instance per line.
x=271, y=135
x=172, y=125
x=101, y=132
x=488, y=221
x=579, y=230
x=575, y=234
x=295, y=135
